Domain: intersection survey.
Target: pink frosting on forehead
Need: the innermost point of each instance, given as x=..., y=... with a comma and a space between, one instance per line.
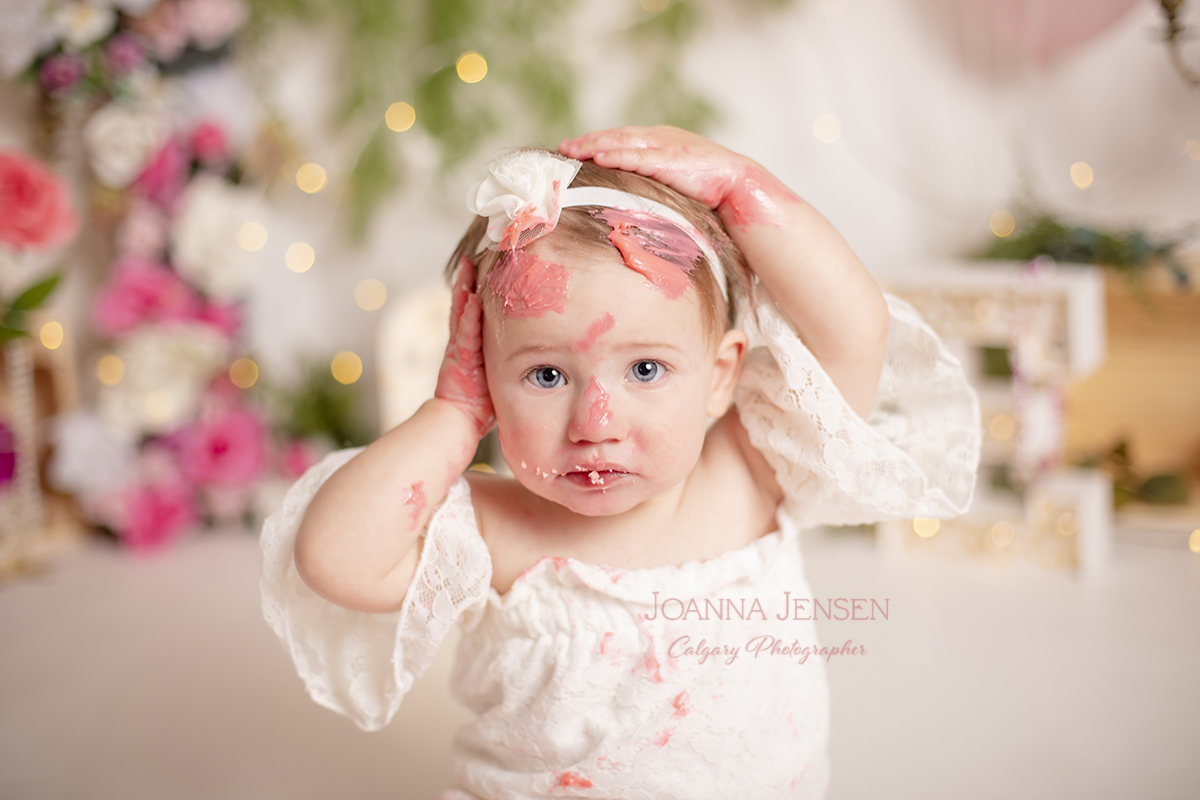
x=528, y=286
x=653, y=247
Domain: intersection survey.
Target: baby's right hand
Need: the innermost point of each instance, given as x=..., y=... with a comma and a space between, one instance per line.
x=462, y=380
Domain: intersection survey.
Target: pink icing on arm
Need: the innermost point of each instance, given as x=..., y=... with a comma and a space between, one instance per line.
x=658, y=250
x=573, y=779
x=757, y=198
x=528, y=286
x=416, y=499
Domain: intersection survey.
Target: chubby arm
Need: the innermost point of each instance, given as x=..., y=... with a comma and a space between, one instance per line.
x=358, y=544
x=833, y=302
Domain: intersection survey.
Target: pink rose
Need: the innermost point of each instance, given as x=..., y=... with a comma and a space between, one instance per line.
x=143, y=232
x=157, y=514
x=298, y=456
x=164, y=178
x=143, y=291
x=211, y=22
x=35, y=208
x=225, y=317
x=123, y=54
x=61, y=71
x=208, y=143
x=164, y=30
x=229, y=450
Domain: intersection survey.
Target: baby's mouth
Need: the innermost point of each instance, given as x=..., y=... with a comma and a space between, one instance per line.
x=599, y=476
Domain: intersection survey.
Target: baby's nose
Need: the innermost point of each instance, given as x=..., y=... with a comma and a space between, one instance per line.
x=593, y=420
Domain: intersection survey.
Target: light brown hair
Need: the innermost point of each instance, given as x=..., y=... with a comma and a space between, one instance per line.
x=581, y=228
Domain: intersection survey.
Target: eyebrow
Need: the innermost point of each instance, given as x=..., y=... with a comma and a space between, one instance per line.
x=541, y=348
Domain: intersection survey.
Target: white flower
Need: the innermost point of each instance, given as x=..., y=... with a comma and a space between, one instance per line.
x=25, y=30
x=166, y=369
x=205, y=236
x=80, y=24
x=121, y=138
x=89, y=456
x=522, y=195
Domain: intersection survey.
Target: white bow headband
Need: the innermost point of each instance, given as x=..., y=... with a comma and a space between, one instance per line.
x=526, y=191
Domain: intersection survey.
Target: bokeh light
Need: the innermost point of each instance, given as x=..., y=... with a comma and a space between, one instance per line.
x=1194, y=541
x=243, y=373
x=51, y=335
x=1003, y=534
x=1082, y=175
x=252, y=237
x=827, y=128
x=926, y=527
x=1002, y=427
x=400, y=117
x=471, y=67
x=346, y=367
x=1002, y=223
x=110, y=369
x=300, y=257
x=1068, y=523
x=370, y=294
x=310, y=178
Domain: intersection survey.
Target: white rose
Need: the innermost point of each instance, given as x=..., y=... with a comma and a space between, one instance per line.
x=89, y=456
x=25, y=30
x=121, y=138
x=81, y=24
x=166, y=369
x=205, y=236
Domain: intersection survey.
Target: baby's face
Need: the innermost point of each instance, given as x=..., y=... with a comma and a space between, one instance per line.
x=602, y=406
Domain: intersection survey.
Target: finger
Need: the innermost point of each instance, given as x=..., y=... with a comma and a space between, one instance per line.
x=464, y=284
x=616, y=139
x=470, y=333
x=643, y=162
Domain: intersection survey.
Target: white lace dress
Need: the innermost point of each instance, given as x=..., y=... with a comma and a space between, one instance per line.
x=585, y=682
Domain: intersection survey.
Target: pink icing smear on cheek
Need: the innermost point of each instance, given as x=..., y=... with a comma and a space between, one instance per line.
x=597, y=329
x=528, y=286
x=659, y=251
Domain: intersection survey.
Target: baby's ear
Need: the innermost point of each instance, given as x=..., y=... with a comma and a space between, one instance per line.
x=731, y=351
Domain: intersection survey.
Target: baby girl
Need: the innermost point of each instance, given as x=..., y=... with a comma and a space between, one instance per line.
x=686, y=364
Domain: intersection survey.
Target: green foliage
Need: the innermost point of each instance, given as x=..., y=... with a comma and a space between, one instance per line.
x=406, y=50
x=1167, y=488
x=320, y=407
x=1128, y=252
x=12, y=315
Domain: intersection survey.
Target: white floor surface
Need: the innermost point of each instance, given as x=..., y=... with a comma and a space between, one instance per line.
x=126, y=678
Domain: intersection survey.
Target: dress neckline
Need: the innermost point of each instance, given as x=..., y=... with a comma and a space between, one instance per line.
x=635, y=585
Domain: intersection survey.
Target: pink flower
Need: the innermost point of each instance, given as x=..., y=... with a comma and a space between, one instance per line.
x=143, y=232
x=35, y=208
x=123, y=54
x=164, y=30
x=61, y=71
x=164, y=178
x=8, y=456
x=298, y=456
x=157, y=514
x=225, y=317
x=209, y=144
x=211, y=22
x=229, y=450
x=143, y=291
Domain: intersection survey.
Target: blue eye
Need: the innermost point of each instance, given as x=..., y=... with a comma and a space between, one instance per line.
x=646, y=371
x=547, y=377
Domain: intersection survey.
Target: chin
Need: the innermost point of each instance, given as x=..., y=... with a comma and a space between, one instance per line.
x=593, y=503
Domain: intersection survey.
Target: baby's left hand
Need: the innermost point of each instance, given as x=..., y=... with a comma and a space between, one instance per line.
x=685, y=161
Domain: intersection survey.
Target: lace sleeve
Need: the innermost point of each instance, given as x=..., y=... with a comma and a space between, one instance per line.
x=361, y=664
x=915, y=455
